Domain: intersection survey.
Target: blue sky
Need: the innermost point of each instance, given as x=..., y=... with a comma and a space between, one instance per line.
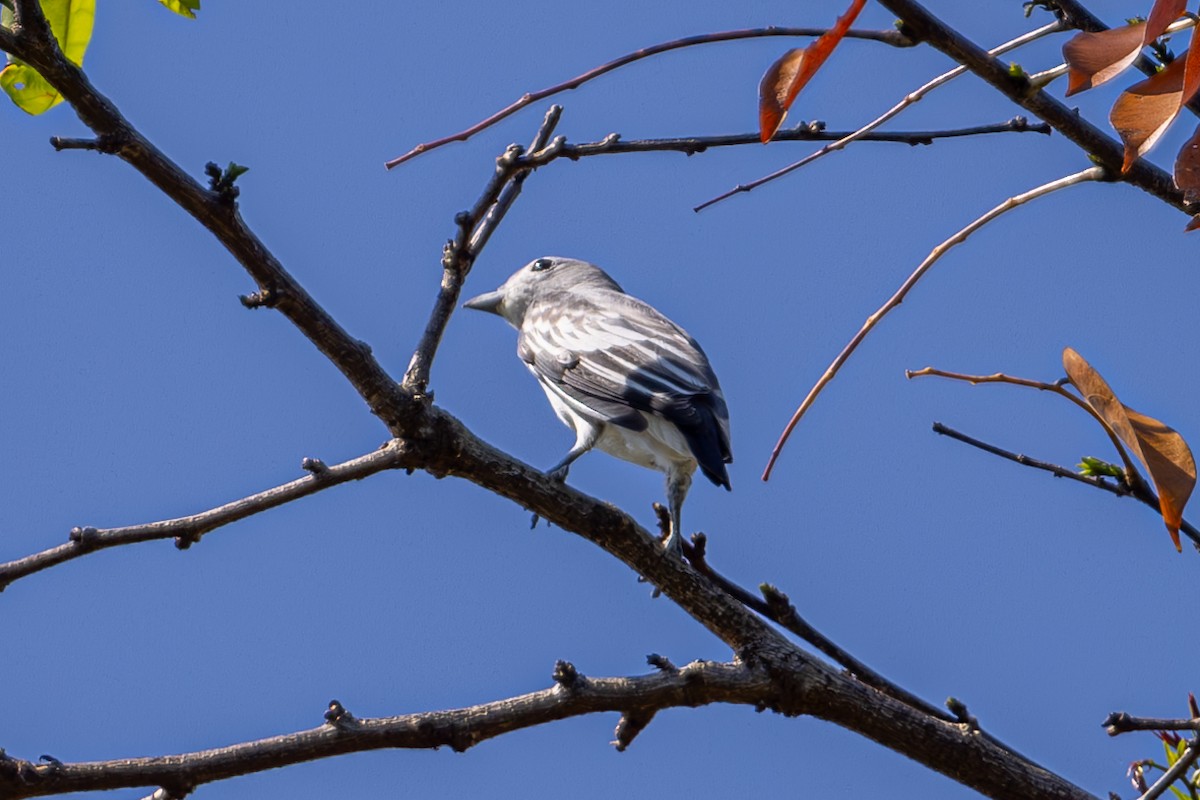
x=138, y=388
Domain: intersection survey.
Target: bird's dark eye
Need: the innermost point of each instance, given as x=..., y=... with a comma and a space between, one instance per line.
x=542, y=264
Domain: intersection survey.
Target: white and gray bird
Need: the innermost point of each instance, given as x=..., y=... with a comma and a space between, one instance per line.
x=618, y=373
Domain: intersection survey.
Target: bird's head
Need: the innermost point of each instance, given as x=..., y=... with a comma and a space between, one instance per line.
x=538, y=277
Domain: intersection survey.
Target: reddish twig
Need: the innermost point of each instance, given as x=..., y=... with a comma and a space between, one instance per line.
x=892, y=37
x=1090, y=174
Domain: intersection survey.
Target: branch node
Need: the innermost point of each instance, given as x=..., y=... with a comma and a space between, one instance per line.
x=506, y=159
x=959, y=709
x=264, y=298
x=630, y=725
x=1117, y=723
x=83, y=536
x=220, y=181
x=105, y=143
x=337, y=716
x=315, y=466
x=565, y=675
x=184, y=542
x=661, y=663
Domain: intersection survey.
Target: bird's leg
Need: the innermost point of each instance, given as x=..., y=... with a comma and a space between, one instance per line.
x=678, y=483
x=585, y=440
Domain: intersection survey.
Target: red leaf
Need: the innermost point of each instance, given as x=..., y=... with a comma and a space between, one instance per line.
x=1187, y=169
x=1161, y=16
x=785, y=78
x=773, y=100
x=1094, y=58
x=1144, y=111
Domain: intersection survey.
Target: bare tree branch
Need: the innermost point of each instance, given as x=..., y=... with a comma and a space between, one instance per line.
x=1097, y=144
x=1119, y=722
x=215, y=211
x=613, y=144
x=1132, y=476
x=188, y=530
x=1145, y=495
x=1090, y=174
x=474, y=229
x=696, y=684
x=775, y=606
x=862, y=133
x=8, y=42
x=892, y=37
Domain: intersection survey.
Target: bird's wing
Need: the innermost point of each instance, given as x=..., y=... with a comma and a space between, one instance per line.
x=619, y=356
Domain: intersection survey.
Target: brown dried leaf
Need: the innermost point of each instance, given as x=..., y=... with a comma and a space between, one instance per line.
x=1145, y=110
x=1097, y=57
x=1191, y=73
x=1193, y=225
x=785, y=78
x=1162, y=451
x=1161, y=16
x=1187, y=169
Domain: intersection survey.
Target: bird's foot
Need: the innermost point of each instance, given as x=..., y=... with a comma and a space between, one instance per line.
x=559, y=474
x=673, y=546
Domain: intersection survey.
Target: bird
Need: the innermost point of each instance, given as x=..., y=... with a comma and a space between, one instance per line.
x=617, y=372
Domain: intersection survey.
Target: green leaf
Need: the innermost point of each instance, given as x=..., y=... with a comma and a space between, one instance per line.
x=71, y=22
x=1179, y=793
x=184, y=8
x=1094, y=467
x=28, y=89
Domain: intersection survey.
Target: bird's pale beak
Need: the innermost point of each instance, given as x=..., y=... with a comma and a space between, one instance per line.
x=489, y=301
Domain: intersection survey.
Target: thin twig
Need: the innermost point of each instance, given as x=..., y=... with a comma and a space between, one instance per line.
x=187, y=530
x=892, y=37
x=775, y=606
x=1176, y=772
x=1119, y=722
x=1095, y=481
x=1090, y=174
x=1143, y=494
x=908, y=100
x=474, y=229
x=1133, y=477
x=806, y=132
